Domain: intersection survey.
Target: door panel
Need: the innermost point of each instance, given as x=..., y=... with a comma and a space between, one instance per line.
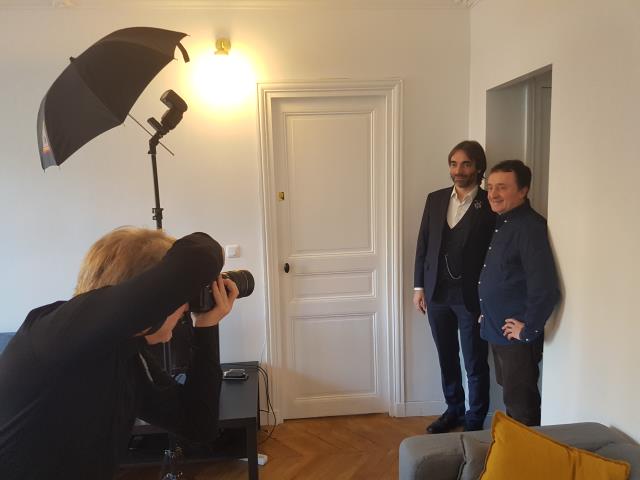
x=330, y=177
x=323, y=355
x=330, y=155
x=333, y=285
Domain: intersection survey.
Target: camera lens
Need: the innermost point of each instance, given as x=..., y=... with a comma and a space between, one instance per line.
x=243, y=280
x=204, y=301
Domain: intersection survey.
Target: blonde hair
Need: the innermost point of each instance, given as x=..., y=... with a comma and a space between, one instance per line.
x=120, y=255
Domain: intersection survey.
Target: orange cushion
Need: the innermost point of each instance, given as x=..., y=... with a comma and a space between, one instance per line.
x=519, y=452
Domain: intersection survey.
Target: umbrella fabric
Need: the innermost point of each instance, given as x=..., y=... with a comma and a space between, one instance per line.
x=97, y=90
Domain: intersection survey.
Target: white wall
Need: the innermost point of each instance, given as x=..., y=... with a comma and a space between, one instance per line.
x=50, y=219
x=594, y=46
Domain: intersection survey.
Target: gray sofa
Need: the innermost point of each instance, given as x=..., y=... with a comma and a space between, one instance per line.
x=451, y=456
x=4, y=339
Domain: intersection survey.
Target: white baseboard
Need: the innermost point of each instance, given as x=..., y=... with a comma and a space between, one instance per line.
x=424, y=409
x=398, y=410
x=427, y=409
x=267, y=419
x=407, y=409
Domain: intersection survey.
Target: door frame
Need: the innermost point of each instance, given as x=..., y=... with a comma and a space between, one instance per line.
x=391, y=90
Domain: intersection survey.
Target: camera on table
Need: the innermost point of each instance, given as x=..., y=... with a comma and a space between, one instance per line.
x=205, y=301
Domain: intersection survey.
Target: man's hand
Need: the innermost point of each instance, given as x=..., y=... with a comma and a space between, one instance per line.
x=419, y=302
x=512, y=328
x=225, y=292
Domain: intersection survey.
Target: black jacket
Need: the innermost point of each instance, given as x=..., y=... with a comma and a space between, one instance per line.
x=72, y=379
x=434, y=218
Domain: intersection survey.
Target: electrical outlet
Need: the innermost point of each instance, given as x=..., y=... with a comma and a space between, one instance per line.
x=232, y=251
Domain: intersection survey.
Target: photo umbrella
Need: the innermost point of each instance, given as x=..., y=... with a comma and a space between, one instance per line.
x=98, y=88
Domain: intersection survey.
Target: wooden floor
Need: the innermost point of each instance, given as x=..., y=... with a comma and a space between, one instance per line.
x=332, y=448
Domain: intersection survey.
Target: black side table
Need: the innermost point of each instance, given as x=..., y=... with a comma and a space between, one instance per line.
x=240, y=408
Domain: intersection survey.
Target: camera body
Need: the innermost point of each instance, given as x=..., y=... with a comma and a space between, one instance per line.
x=204, y=301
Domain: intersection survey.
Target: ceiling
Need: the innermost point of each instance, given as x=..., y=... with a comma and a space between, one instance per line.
x=240, y=4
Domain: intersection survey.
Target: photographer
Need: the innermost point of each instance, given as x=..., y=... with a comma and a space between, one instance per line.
x=78, y=372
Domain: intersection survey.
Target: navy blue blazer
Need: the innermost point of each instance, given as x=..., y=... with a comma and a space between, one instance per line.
x=479, y=234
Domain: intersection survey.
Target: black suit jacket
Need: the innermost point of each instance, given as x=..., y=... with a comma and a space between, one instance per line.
x=475, y=245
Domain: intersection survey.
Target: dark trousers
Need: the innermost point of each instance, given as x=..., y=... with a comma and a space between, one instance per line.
x=517, y=372
x=445, y=321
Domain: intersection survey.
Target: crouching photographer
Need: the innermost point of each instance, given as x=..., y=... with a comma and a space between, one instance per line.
x=78, y=372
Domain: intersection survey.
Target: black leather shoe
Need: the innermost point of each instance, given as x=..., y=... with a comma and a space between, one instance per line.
x=473, y=427
x=444, y=423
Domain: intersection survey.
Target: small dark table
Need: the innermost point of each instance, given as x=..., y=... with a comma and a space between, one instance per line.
x=239, y=409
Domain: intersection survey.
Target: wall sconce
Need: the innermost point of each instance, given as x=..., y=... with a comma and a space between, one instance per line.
x=222, y=78
x=223, y=45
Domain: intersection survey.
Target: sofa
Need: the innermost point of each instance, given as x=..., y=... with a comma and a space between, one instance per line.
x=461, y=455
x=4, y=339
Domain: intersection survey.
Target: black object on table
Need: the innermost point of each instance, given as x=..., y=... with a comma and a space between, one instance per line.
x=238, y=418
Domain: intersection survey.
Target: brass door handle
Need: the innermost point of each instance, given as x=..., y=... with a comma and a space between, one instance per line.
x=286, y=268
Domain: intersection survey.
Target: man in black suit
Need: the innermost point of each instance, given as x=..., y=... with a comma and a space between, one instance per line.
x=455, y=232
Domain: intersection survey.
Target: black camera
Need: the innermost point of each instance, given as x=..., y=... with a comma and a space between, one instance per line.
x=205, y=302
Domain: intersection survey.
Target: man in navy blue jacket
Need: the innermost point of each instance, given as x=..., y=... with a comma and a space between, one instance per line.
x=518, y=290
x=456, y=228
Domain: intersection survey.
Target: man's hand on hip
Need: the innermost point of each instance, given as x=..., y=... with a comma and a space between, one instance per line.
x=512, y=328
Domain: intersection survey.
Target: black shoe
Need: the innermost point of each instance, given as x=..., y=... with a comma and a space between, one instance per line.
x=444, y=423
x=473, y=427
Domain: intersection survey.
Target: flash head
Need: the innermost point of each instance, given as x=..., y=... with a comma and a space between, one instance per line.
x=173, y=101
x=172, y=117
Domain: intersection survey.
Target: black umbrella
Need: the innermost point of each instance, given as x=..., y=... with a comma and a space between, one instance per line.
x=97, y=90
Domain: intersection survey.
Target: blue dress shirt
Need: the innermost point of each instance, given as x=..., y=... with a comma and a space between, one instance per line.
x=518, y=279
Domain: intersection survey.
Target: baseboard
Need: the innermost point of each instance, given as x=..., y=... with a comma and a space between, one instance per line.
x=424, y=409
x=407, y=409
x=398, y=410
x=267, y=418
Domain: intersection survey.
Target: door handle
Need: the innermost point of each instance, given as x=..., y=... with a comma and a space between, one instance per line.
x=286, y=268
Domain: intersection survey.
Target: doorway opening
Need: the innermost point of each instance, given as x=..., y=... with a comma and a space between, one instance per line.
x=518, y=127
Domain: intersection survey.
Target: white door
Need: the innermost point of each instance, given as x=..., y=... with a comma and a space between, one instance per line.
x=330, y=158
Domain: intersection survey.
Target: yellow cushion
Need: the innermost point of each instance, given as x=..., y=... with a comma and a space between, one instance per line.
x=518, y=452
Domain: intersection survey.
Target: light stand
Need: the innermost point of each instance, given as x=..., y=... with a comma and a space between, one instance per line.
x=157, y=216
x=170, y=119
x=157, y=210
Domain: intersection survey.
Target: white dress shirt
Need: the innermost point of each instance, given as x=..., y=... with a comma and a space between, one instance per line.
x=458, y=208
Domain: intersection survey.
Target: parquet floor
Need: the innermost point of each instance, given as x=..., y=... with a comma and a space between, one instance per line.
x=359, y=447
